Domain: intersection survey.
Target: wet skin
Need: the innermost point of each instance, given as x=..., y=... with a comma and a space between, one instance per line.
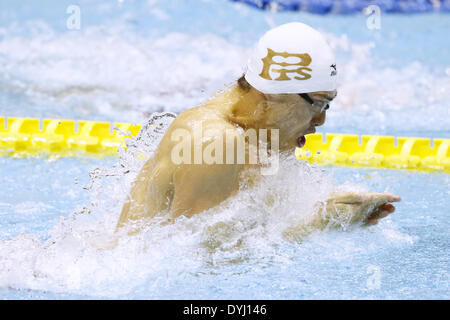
x=188, y=189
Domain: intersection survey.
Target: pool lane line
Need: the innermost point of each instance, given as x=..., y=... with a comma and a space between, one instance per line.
x=24, y=137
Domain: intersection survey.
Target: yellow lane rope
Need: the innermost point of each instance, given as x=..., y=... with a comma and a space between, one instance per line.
x=22, y=137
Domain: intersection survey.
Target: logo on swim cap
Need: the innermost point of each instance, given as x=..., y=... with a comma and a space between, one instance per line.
x=301, y=71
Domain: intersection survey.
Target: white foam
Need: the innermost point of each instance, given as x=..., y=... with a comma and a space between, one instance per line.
x=247, y=227
x=116, y=74
x=96, y=72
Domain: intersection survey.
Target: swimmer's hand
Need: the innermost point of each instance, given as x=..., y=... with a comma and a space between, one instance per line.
x=366, y=207
x=344, y=209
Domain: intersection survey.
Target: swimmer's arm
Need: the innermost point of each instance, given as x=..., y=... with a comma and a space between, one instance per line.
x=344, y=209
x=201, y=187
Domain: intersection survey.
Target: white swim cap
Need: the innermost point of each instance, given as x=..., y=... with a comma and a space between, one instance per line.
x=292, y=58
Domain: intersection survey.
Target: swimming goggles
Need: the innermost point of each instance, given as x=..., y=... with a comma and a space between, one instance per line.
x=324, y=106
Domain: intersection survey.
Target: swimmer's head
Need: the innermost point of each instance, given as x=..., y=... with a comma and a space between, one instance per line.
x=295, y=115
x=293, y=70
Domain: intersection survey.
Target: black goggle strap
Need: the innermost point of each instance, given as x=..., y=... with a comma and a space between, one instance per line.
x=310, y=101
x=306, y=97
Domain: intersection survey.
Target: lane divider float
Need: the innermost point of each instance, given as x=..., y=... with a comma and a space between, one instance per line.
x=23, y=137
x=377, y=151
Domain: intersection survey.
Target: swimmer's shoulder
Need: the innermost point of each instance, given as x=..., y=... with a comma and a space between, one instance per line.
x=207, y=115
x=191, y=119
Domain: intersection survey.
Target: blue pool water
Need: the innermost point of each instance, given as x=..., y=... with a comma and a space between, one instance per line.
x=410, y=249
x=132, y=58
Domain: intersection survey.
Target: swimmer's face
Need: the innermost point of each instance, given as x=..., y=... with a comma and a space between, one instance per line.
x=294, y=116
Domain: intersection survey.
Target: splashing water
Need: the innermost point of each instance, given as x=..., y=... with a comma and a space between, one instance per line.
x=123, y=66
x=84, y=255
x=130, y=66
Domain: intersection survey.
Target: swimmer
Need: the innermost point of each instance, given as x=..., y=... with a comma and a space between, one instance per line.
x=288, y=85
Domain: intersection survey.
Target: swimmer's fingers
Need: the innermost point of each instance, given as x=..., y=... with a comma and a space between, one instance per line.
x=367, y=207
x=381, y=198
x=379, y=213
x=375, y=198
x=379, y=206
x=381, y=203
